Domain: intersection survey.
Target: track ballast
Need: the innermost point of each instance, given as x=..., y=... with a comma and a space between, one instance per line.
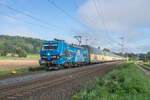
x=57, y=85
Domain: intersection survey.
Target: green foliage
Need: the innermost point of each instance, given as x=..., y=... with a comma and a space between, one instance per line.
x=148, y=55
x=21, y=53
x=36, y=69
x=134, y=57
x=18, y=71
x=121, y=54
x=10, y=44
x=3, y=53
x=29, y=57
x=126, y=82
x=147, y=64
x=107, y=50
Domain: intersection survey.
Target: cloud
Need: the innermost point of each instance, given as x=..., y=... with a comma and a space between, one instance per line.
x=9, y=19
x=126, y=18
x=15, y=25
x=18, y=31
x=119, y=15
x=142, y=49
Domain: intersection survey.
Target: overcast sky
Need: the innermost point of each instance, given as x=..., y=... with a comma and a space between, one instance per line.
x=102, y=22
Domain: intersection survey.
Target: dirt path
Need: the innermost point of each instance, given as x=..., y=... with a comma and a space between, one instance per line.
x=17, y=64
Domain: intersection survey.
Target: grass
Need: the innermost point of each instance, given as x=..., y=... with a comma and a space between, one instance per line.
x=18, y=71
x=147, y=65
x=126, y=82
x=146, y=68
x=29, y=57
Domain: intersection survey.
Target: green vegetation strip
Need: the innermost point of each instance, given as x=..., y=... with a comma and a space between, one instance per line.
x=18, y=71
x=126, y=82
x=29, y=57
x=148, y=65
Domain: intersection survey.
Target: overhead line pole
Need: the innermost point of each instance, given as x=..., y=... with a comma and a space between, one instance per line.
x=79, y=39
x=66, y=13
x=122, y=44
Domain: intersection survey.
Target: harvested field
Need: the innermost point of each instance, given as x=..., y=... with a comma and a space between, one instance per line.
x=17, y=64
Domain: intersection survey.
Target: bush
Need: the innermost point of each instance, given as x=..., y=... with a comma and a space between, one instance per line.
x=3, y=53
x=21, y=53
x=126, y=82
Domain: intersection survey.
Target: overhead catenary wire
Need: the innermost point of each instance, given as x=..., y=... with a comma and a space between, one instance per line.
x=40, y=20
x=32, y=17
x=74, y=2
x=65, y=12
x=100, y=13
x=39, y=25
x=69, y=15
x=90, y=20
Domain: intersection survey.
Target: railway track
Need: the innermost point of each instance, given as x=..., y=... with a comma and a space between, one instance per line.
x=18, y=90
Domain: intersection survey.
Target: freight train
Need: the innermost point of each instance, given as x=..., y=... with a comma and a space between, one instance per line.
x=59, y=54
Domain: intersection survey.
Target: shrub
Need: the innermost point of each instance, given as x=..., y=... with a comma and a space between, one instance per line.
x=126, y=82
x=21, y=53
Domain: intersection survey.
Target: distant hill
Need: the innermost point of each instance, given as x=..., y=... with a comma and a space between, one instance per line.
x=9, y=44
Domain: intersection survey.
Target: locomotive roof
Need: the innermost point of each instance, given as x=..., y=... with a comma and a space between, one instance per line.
x=76, y=46
x=56, y=41
x=84, y=47
x=96, y=50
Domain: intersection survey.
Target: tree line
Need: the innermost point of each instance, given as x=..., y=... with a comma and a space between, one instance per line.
x=137, y=56
x=20, y=46
x=133, y=56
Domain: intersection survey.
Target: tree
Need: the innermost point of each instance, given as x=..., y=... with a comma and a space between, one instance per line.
x=10, y=43
x=21, y=53
x=132, y=56
x=107, y=50
x=148, y=55
x=120, y=54
x=2, y=53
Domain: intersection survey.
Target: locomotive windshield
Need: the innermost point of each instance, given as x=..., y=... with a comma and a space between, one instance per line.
x=50, y=47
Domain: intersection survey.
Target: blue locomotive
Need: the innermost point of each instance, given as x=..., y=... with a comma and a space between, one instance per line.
x=59, y=54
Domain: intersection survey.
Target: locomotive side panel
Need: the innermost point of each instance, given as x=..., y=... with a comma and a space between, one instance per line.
x=58, y=54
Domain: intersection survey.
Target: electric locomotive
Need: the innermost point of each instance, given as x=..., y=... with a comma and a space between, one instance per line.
x=59, y=54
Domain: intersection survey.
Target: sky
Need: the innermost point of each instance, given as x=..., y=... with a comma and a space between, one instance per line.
x=100, y=22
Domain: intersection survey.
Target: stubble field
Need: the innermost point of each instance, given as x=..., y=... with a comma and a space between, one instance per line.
x=17, y=64
x=13, y=63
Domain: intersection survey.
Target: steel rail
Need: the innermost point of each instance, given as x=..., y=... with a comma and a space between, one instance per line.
x=50, y=83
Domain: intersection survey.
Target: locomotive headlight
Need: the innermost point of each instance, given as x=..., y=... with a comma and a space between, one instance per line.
x=48, y=54
x=58, y=57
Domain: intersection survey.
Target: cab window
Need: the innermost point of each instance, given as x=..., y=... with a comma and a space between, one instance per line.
x=50, y=47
